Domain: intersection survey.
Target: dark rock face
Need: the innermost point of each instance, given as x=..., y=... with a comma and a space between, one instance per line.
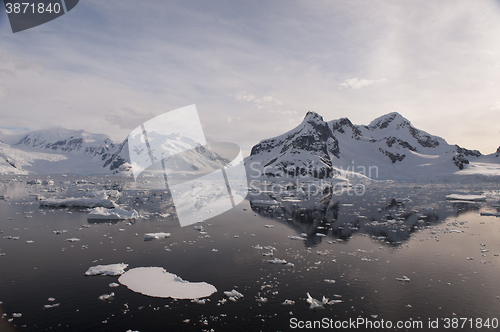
x=468, y=153
x=460, y=161
x=390, y=141
x=461, y=158
x=383, y=123
x=498, y=152
x=338, y=127
x=424, y=140
x=393, y=156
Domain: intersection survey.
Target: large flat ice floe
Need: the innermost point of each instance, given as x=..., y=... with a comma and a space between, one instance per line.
x=107, y=270
x=114, y=214
x=473, y=198
x=78, y=202
x=156, y=282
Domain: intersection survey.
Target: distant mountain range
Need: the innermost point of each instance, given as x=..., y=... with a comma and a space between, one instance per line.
x=389, y=148
x=59, y=151
x=63, y=151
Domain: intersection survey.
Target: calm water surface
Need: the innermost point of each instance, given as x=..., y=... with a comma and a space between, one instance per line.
x=363, y=242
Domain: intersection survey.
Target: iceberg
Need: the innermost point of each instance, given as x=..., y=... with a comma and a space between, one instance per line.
x=105, y=297
x=157, y=282
x=233, y=295
x=294, y=237
x=107, y=270
x=155, y=236
x=277, y=261
x=316, y=304
x=78, y=202
x=115, y=214
x=494, y=214
x=472, y=198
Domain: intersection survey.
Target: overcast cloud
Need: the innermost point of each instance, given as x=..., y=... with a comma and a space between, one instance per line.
x=254, y=68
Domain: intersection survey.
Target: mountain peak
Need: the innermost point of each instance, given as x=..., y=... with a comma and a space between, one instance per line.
x=313, y=116
x=384, y=120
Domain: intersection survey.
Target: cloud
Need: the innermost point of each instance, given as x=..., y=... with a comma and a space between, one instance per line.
x=243, y=96
x=259, y=102
x=356, y=83
x=495, y=107
x=128, y=117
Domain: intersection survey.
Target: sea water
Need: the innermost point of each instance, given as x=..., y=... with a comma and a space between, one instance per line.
x=398, y=252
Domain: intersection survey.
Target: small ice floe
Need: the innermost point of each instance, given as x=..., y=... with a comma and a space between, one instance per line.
x=289, y=264
x=405, y=278
x=105, y=297
x=258, y=247
x=17, y=315
x=198, y=228
x=332, y=302
x=472, y=198
x=199, y=301
x=264, y=202
x=113, y=284
x=403, y=200
x=320, y=234
x=316, y=304
x=112, y=214
x=277, y=261
x=303, y=234
x=233, y=295
x=30, y=241
x=494, y=214
x=101, y=201
x=155, y=236
x=294, y=237
x=73, y=239
x=288, y=302
x=261, y=299
x=470, y=258
x=269, y=226
x=330, y=281
x=157, y=282
x=107, y=270
x=49, y=306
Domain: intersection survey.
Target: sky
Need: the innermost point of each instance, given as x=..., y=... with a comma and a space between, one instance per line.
x=254, y=68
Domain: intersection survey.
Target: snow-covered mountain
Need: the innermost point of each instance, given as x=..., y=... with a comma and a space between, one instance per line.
x=62, y=140
x=388, y=148
x=63, y=151
x=57, y=151
x=189, y=157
